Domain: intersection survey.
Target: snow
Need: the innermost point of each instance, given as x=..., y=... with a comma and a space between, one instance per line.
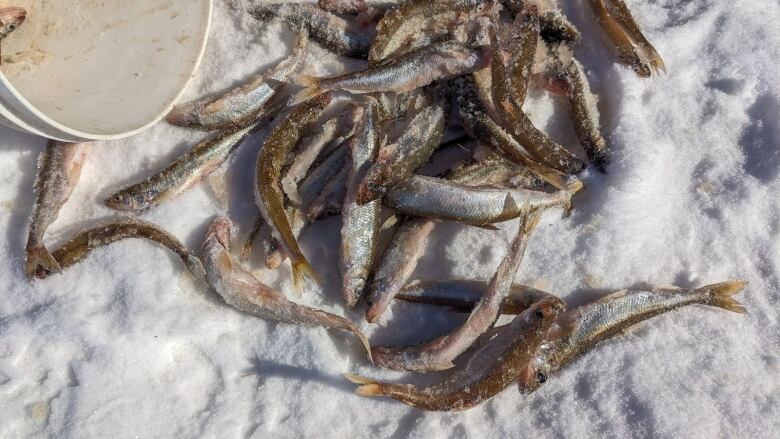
x=123, y=344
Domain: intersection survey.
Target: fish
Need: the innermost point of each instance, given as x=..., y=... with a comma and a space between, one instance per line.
x=268, y=191
x=581, y=329
x=622, y=30
x=240, y=289
x=330, y=31
x=83, y=243
x=463, y=295
x=573, y=82
x=438, y=198
x=59, y=170
x=397, y=264
x=245, y=103
x=439, y=353
x=334, y=131
x=511, y=67
x=491, y=369
x=490, y=169
x=11, y=17
x=330, y=201
x=315, y=183
x=481, y=126
x=360, y=223
x=183, y=174
x=438, y=61
x=398, y=161
x=400, y=27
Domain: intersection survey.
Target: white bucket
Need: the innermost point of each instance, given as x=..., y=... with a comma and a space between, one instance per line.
x=80, y=70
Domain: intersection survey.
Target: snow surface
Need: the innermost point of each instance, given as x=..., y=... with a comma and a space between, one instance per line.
x=123, y=345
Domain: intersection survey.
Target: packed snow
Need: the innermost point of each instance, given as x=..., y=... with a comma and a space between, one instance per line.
x=124, y=345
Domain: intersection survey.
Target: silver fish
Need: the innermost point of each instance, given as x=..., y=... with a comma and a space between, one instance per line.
x=336, y=34
x=490, y=370
x=361, y=224
x=397, y=264
x=581, y=329
x=432, y=197
x=410, y=71
x=439, y=353
x=244, y=103
x=59, y=169
x=181, y=175
x=243, y=291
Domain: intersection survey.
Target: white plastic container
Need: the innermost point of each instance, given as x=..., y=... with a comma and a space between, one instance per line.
x=80, y=70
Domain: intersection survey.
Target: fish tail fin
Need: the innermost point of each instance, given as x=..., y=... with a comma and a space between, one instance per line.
x=302, y=273
x=363, y=339
x=720, y=295
x=38, y=258
x=368, y=387
x=531, y=220
x=653, y=58
x=311, y=88
x=575, y=186
x=555, y=178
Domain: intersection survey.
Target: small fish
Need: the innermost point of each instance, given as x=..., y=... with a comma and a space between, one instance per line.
x=330, y=201
x=481, y=126
x=361, y=223
x=408, y=72
x=398, y=161
x=59, y=169
x=245, y=103
x=620, y=27
x=584, y=112
x=11, y=18
x=463, y=295
x=83, y=243
x=268, y=189
x=397, y=264
x=493, y=170
x=333, y=131
x=315, y=183
x=400, y=27
x=490, y=370
x=432, y=197
x=330, y=31
x=439, y=353
x=243, y=291
x=183, y=174
x=511, y=66
x=581, y=329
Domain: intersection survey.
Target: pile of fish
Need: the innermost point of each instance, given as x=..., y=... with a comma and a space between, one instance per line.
x=436, y=73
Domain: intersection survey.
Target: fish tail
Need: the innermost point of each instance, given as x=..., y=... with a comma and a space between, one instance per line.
x=363, y=339
x=575, y=186
x=302, y=273
x=555, y=178
x=720, y=295
x=367, y=386
x=38, y=258
x=311, y=88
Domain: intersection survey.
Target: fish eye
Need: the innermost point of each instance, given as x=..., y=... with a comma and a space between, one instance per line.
x=538, y=314
x=116, y=198
x=541, y=377
x=12, y=27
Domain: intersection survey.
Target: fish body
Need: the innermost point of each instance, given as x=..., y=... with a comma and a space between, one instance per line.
x=330, y=201
x=581, y=329
x=268, y=190
x=463, y=295
x=397, y=264
x=331, y=31
x=243, y=291
x=490, y=370
x=318, y=179
x=180, y=176
x=361, y=223
x=81, y=245
x=408, y=72
x=437, y=198
x=401, y=26
x=398, y=161
x=245, y=103
x=59, y=169
x=439, y=353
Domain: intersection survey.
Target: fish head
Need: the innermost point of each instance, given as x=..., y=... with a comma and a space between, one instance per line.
x=219, y=231
x=536, y=372
x=127, y=202
x=10, y=19
x=542, y=314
